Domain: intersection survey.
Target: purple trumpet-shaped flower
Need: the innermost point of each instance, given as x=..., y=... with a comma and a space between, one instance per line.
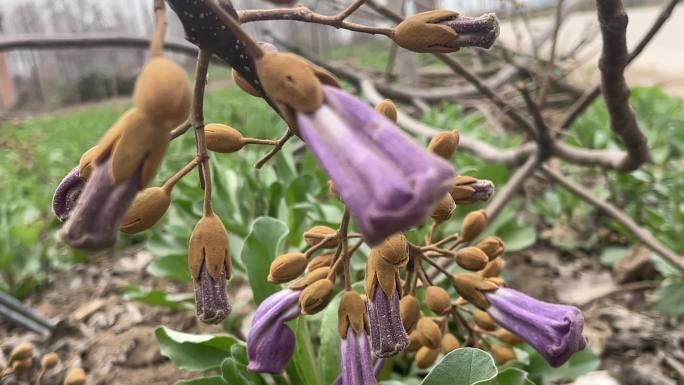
x=66, y=194
x=357, y=364
x=270, y=343
x=473, y=31
x=386, y=180
x=388, y=336
x=554, y=330
x=94, y=222
x=378, y=365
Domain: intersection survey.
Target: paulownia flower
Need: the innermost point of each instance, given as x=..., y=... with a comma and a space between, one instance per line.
x=554, y=330
x=386, y=180
x=66, y=194
x=357, y=362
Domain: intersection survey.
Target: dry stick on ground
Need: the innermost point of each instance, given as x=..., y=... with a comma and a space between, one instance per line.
x=640, y=233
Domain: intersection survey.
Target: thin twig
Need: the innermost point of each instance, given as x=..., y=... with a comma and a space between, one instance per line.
x=157, y=42
x=197, y=118
x=171, y=182
x=276, y=148
x=512, y=187
x=181, y=129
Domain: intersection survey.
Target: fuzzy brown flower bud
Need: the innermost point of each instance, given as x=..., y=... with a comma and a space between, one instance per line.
x=75, y=376
x=22, y=365
x=21, y=352
x=323, y=260
x=332, y=189
x=244, y=84
x=414, y=342
x=222, y=138
x=209, y=245
x=146, y=210
x=86, y=164
x=50, y=360
x=444, y=143
x=468, y=190
x=409, y=310
x=484, y=320
x=426, y=357
x=316, y=296
x=394, y=249
x=438, y=300
x=317, y=233
x=444, y=209
x=311, y=277
x=504, y=335
x=502, y=354
x=492, y=246
x=473, y=224
x=493, y=268
x=352, y=313
x=498, y=281
x=471, y=258
x=162, y=91
x=290, y=80
x=430, y=335
x=449, y=343
x=287, y=267
x=387, y=108
x=471, y=288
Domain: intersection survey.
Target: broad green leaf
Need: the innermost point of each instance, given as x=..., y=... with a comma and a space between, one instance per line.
x=668, y=299
x=160, y=298
x=174, y=267
x=236, y=373
x=611, y=255
x=259, y=250
x=581, y=363
x=465, y=366
x=216, y=380
x=194, y=352
x=303, y=368
x=510, y=376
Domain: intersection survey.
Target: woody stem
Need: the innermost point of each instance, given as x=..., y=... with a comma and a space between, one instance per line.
x=197, y=119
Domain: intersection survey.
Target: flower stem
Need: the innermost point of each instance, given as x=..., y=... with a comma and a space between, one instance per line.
x=197, y=119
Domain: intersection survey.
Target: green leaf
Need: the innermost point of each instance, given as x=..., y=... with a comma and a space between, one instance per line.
x=668, y=299
x=236, y=373
x=581, y=363
x=303, y=368
x=465, y=366
x=259, y=250
x=194, y=352
x=511, y=376
x=611, y=255
x=174, y=267
x=216, y=380
x=159, y=298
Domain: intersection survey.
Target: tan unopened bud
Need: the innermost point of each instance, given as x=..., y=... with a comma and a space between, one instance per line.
x=316, y=296
x=414, y=342
x=473, y=224
x=22, y=365
x=438, y=300
x=449, y=343
x=387, y=108
x=75, y=376
x=244, y=84
x=394, y=249
x=209, y=245
x=409, y=310
x=222, y=138
x=444, y=209
x=502, y=354
x=498, y=281
x=504, y=335
x=290, y=80
x=472, y=287
x=22, y=352
x=317, y=233
x=468, y=190
x=332, y=189
x=49, y=361
x=163, y=92
x=146, y=210
x=471, y=258
x=86, y=164
x=323, y=260
x=352, y=313
x=426, y=357
x=287, y=267
x=444, y=143
x=493, y=268
x=484, y=320
x=492, y=245
x=430, y=335
x=311, y=277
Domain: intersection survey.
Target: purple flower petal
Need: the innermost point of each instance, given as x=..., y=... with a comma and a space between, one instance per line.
x=357, y=367
x=386, y=180
x=388, y=336
x=210, y=297
x=270, y=343
x=67, y=194
x=555, y=331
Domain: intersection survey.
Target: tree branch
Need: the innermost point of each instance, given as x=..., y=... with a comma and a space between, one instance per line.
x=512, y=187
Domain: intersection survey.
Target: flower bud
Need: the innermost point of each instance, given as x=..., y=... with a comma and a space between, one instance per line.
x=49, y=361
x=483, y=320
x=444, y=143
x=430, y=335
x=471, y=288
x=493, y=268
x=209, y=245
x=468, y=190
x=244, y=84
x=222, y=138
x=311, y=277
x=352, y=313
x=21, y=352
x=323, y=260
x=394, y=249
x=414, y=342
x=444, y=209
x=504, y=335
x=75, y=376
x=290, y=80
x=426, y=357
x=498, y=281
x=86, y=164
x=317, y=233
x=146, y=210
x=316, y=296
x=163, y=92
x=473, y=224
x=332, y=189
x=287, y=267
x=387, y=108
x=409, y=310
x=502, y=354
x=22, y=365
x=438, y=300
x=471, y=258
x=449, y=343
x=492, y=246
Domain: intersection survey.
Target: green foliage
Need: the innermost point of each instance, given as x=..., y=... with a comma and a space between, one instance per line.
x=181, y=301
x=542, y=373
x=668, y=298
x=259, y=250
x=465, y=366
x=194, y=352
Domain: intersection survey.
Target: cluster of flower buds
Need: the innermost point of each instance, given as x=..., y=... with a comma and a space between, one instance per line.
x=48, y=369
